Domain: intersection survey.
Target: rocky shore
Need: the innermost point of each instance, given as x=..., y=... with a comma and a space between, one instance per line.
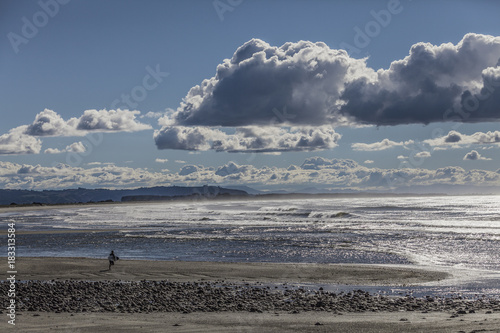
x=219, y=296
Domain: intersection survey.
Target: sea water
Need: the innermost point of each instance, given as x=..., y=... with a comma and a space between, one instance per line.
x=444, y=232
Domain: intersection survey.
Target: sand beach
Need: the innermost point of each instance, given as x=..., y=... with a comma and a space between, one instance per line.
x=82, y=295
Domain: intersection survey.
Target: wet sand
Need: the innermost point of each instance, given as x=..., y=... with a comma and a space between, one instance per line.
x=253, y=322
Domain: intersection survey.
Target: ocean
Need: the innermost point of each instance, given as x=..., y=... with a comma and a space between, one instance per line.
x=451, y=233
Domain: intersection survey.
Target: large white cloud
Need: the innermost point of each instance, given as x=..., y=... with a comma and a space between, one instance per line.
x=319, y=85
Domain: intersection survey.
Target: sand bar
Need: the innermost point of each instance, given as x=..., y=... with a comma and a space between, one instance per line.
x=134, y=270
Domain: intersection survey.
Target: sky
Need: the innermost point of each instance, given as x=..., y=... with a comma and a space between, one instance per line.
x=334, y=95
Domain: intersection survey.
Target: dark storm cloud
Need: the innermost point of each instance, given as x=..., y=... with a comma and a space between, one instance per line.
x=432, y=84
x=305, y=78
x=318, y=85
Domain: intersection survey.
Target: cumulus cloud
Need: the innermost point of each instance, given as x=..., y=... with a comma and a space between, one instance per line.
x=110, y=121
x=186, y=138
x=156, y=115
x=456, y=139
x=320, y=163
x=25, y=139
x=486, y=138
x=368, y=162
x=50, y=123
x=319, y=85
x=17, y=142
x=423, y=154
x=76, y=147
x=338, y=173
x=452, y=137
x=232, y=168
x=53, y=151
x=64, y=176
x=161, y=160
x=382, y=145
x=273, y=139
x=189, y=169
x=247, y=139
x=475, y=156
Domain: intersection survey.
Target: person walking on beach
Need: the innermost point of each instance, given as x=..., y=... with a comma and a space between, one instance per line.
x=112, y=258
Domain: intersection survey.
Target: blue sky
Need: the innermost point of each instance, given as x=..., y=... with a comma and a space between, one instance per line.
x=72, y=56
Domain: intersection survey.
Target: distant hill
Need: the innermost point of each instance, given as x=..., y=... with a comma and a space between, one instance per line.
x=82, y=195
x=246, y=189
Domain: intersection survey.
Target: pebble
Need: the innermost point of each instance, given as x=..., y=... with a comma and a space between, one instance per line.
x=186, y=297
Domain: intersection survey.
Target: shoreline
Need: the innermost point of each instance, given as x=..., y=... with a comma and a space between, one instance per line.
x=253, y=197
x=61, y=231
x=35, y=207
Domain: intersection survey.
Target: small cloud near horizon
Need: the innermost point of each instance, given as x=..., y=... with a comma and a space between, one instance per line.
x=475, y=156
